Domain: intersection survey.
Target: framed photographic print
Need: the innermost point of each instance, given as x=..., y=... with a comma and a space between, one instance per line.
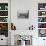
x=23, y=14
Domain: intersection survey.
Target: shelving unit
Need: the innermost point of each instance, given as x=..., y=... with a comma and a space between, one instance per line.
x=4, y=19
x=42, y=19
x=3, y=16
x=41, y=10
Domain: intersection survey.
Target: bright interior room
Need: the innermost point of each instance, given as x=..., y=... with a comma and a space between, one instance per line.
x=22, y=22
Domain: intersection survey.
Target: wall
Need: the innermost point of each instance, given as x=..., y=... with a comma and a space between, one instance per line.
x=32, y=6
x=23, y=24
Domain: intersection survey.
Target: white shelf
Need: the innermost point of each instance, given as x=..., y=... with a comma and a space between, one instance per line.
x=42, y=16
x=41, y=22
x=3, y=10
x=3, y=22
x=41, y=10
x=41, y=28
x=3, y=16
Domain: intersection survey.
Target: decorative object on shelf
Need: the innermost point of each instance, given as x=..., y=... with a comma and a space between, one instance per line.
x=4, y=29
x=3, y=6
x=43, y=13
x=13, y=27
x=41, y=25
x=23, y=14
x=0, y=7
x=42, y=32
x=31, y=27
x=6, y=7
x=41, y=6
x=45, y=7
x=4, y=26
x=3, y=13
x=41, y=19
x=3, y=19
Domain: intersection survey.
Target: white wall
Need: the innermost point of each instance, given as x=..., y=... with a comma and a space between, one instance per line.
x=23, y=24
x=32, y=6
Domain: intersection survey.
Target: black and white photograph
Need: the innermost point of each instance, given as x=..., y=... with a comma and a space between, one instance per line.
x=23, y=14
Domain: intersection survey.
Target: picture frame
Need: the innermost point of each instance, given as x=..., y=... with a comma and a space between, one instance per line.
x=23, y=14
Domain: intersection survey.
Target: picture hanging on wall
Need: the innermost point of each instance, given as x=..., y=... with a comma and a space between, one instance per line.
x=23, y=14
x=42, y=32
